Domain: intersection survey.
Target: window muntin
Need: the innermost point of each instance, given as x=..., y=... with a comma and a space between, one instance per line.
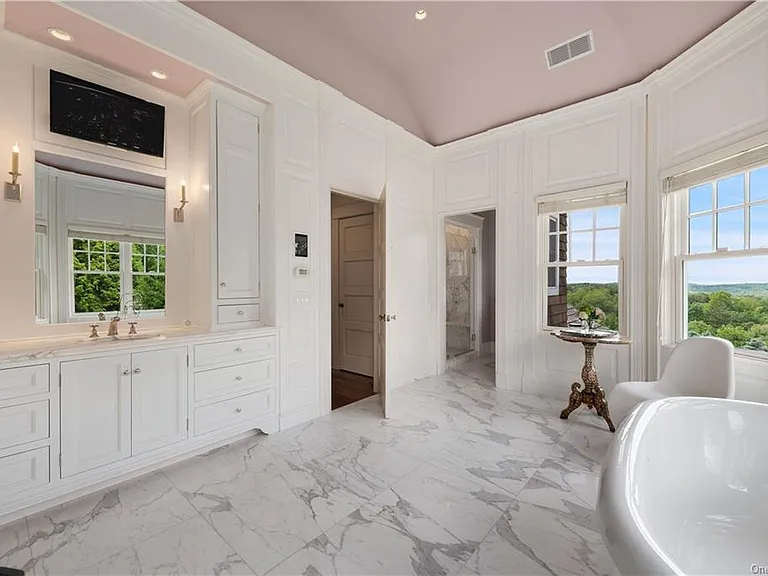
x=723, y=288
x=583, y=265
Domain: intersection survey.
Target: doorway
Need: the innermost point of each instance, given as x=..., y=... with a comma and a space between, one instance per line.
x=470, y=287
x=353, y=294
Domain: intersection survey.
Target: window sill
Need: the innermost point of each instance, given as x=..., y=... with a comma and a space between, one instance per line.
x=746, y=356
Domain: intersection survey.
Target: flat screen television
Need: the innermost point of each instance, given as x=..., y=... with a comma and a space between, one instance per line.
x=87, y=111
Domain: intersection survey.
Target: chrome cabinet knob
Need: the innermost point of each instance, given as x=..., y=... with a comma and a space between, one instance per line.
x=223, y=284
x=126, y=372
x=238, y=378
x=240, y=312
x=238, y=410
x=137, y=371
x=239, y=349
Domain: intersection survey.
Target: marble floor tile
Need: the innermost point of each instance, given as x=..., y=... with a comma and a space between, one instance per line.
x=192, y=547
x=310, y=440
x=533, y=425
x=318, y=558
x=391, y=535
x=461, y=478
x=416, y=435
x=528, y=539
x=562, y=490
x=275, y=519
x=583, y=447
x=365, y=467
x=467, y=509
x=227, y=471
x=496, y=466
x=14, y=545
x=75, y=535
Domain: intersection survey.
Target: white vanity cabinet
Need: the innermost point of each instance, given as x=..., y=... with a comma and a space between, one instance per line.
x=95, y=413
x=158, y=399
x=226, y=177
x=121, y=406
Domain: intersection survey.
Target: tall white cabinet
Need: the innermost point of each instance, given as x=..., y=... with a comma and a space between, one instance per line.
x=226, y=182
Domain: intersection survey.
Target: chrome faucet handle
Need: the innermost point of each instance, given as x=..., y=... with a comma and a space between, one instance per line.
x=132, y=329
x=94, y=331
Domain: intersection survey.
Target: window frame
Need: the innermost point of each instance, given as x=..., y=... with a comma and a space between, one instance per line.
x=680, y=223
x=544, y=220
x=125, y=275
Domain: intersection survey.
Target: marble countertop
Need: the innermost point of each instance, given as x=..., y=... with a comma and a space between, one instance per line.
x=15, y=351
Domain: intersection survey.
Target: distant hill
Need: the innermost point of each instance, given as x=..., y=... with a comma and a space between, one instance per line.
x=757, y=289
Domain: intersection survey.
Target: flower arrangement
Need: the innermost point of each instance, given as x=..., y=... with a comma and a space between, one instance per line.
x=591, y=316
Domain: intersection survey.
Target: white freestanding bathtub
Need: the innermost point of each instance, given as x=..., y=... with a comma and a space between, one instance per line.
x=684, y=488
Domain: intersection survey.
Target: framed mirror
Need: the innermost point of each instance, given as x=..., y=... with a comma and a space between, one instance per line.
x=99, y=242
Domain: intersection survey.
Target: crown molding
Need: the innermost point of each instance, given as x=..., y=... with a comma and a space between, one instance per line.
x=752, y=18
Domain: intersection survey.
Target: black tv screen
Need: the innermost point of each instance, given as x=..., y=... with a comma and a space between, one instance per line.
x=87, y=111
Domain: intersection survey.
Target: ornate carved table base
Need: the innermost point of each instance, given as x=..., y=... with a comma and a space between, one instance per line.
x=592, y=395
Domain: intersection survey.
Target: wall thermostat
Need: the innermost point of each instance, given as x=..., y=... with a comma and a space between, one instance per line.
x=301, y=271
x=301, y=246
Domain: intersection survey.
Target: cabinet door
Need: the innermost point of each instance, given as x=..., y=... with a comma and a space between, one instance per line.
x=158, y=399
x=95, y=413
x=237, y=202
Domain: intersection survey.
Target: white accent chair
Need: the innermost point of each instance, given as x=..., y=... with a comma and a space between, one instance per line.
x=697, y=367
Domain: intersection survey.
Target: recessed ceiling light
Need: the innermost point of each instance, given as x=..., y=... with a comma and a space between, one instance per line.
x=420, y=14
x=159, y=74
x=60, y=34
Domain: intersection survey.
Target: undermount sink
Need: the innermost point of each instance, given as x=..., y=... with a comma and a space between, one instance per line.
x=684, y=488
x=123, y=337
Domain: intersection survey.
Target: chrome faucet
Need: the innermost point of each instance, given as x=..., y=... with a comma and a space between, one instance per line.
x=113, y=326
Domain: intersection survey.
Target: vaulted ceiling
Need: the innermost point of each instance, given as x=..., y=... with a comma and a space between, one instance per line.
x=468, y=66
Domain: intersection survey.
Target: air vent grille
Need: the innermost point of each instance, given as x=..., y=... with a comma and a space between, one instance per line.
x=572, y=49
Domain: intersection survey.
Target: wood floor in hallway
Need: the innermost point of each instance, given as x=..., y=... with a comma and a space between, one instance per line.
x=348, y=387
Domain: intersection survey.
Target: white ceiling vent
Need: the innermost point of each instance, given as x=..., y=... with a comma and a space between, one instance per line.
x=581, y=45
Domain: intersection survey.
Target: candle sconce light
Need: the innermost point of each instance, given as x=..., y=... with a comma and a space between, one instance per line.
x=13, y=188
x=178, y=213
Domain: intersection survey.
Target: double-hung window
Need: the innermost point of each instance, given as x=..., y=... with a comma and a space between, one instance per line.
x=720, y=235
x=582, y=254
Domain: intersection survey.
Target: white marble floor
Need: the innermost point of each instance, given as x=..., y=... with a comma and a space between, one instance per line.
x=462, y=480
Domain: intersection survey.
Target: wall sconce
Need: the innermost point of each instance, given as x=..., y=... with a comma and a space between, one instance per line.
x=13, y=188
x=178, y=213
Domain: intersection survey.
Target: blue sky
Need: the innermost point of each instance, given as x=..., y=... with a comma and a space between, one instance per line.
x=728, y=196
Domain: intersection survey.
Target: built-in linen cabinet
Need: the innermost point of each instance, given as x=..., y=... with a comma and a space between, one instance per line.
x=237, y=202
x=226, y=181
x=118, y=406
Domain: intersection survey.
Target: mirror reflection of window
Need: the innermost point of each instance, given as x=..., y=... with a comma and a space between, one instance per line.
x=100, y=243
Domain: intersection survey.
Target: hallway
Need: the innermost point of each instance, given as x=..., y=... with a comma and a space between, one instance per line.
x=348, y=387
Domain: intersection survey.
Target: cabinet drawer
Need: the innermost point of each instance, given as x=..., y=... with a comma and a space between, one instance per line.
x=233, y=412
x=232, y=351
x=25, y=471
x=241, y=313
x=240, y=379
x=23, y=423
x=18, y=382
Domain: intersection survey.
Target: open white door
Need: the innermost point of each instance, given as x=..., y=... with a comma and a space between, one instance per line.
x=406, y=318
x=380, y=285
